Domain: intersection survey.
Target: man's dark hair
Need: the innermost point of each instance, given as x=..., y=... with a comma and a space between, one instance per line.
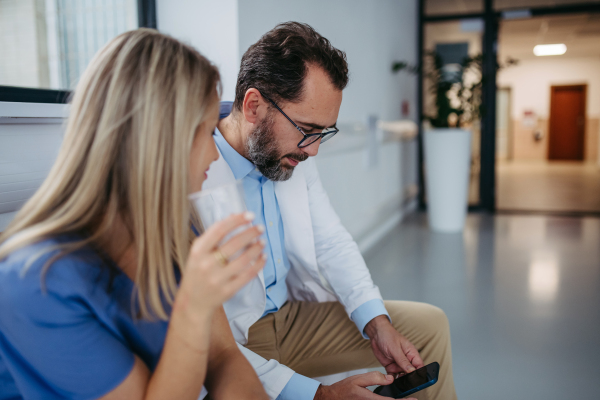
x=276, y=65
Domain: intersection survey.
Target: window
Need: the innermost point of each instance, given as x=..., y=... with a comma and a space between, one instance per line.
x=47, y=44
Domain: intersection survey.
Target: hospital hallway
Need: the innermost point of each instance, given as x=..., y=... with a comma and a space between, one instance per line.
x=542, y=186
x=522, y=293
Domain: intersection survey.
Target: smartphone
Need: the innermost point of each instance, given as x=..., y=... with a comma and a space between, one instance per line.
x=411, y=383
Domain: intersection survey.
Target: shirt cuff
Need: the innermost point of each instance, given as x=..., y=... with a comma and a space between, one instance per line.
x=366, y=312
x=299, y=387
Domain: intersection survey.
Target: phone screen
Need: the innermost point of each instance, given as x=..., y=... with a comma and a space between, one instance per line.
x=411, y=383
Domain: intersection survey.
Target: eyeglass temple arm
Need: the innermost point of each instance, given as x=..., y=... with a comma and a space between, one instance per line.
x=336, y=130
x=281, y=111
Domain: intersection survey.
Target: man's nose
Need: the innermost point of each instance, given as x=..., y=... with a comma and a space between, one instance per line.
x=313, y=148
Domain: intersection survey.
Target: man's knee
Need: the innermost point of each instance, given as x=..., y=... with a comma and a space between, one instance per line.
x=421, y=316
x=436, y=319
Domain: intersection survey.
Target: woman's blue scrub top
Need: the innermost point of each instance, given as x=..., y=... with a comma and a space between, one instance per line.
x=73, y=332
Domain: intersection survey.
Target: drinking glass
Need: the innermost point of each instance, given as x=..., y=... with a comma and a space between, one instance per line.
x=218, y=203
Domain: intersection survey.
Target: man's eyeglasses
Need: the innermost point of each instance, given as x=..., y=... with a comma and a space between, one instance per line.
x=309, y=138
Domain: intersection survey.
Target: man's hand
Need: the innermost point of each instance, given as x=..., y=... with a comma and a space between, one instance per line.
x=355, y=387
x=393, y=350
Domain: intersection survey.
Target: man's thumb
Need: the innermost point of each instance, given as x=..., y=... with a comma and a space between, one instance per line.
x=403, y=362
x=373, y=378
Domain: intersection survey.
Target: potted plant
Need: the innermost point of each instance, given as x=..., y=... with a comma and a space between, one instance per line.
x=451, y=109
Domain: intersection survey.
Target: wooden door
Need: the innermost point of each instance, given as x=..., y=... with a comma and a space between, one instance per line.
x=567, y=122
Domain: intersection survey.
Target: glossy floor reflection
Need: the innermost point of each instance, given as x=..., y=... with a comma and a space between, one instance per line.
x=522, y=294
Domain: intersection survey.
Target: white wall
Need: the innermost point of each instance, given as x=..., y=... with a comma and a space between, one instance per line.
x=211, y=27
x=369, y=195
x=531, y=81
x=30, y=136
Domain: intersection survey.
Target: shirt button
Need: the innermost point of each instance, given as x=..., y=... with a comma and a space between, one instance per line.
x=270, y=289
x=279, y=261
x=270, y=223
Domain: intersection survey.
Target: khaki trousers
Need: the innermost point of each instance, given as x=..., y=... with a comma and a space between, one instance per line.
x=318, y=339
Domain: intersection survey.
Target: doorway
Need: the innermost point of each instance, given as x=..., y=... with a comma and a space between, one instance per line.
x=566, y=139
x=553, y=165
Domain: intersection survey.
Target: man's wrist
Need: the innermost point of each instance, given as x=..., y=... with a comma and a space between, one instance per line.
x=375, y=324
x=366, y=312
x=299, y=387
x=321, y=393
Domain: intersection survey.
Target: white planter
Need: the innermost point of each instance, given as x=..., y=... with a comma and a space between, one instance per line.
x=447, y=161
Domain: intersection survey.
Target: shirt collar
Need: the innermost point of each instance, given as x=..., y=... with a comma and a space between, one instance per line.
x=238, y=164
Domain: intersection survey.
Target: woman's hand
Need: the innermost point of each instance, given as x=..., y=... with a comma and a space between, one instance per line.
x=210, y=278
x=207, y=282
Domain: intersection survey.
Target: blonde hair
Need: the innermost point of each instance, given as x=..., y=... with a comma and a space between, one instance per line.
x=126, y=154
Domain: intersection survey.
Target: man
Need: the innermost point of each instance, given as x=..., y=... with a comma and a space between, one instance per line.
x=299, y=318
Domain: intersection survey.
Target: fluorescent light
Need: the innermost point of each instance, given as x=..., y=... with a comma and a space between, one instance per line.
x=549, y=49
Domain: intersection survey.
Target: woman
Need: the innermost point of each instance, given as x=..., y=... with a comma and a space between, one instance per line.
x=101, y=257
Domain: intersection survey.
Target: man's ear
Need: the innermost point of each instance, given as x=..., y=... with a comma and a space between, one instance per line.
x=253, y=107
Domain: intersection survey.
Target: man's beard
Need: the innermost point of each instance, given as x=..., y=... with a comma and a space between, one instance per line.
x=262, y=151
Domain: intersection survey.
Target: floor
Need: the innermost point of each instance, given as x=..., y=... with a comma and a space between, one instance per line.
x=522, y=293
x=544, y=186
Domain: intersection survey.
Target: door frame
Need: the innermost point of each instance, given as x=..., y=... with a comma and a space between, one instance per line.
x=509, y=134
x=552, y=94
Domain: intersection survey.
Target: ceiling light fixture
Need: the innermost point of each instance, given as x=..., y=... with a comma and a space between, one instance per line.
x=549, y=49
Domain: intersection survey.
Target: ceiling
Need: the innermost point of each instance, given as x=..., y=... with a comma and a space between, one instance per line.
x=444, y=7
x=581, y=34
x=516, y=4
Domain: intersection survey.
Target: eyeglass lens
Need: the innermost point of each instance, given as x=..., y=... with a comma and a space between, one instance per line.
x=326, y=135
